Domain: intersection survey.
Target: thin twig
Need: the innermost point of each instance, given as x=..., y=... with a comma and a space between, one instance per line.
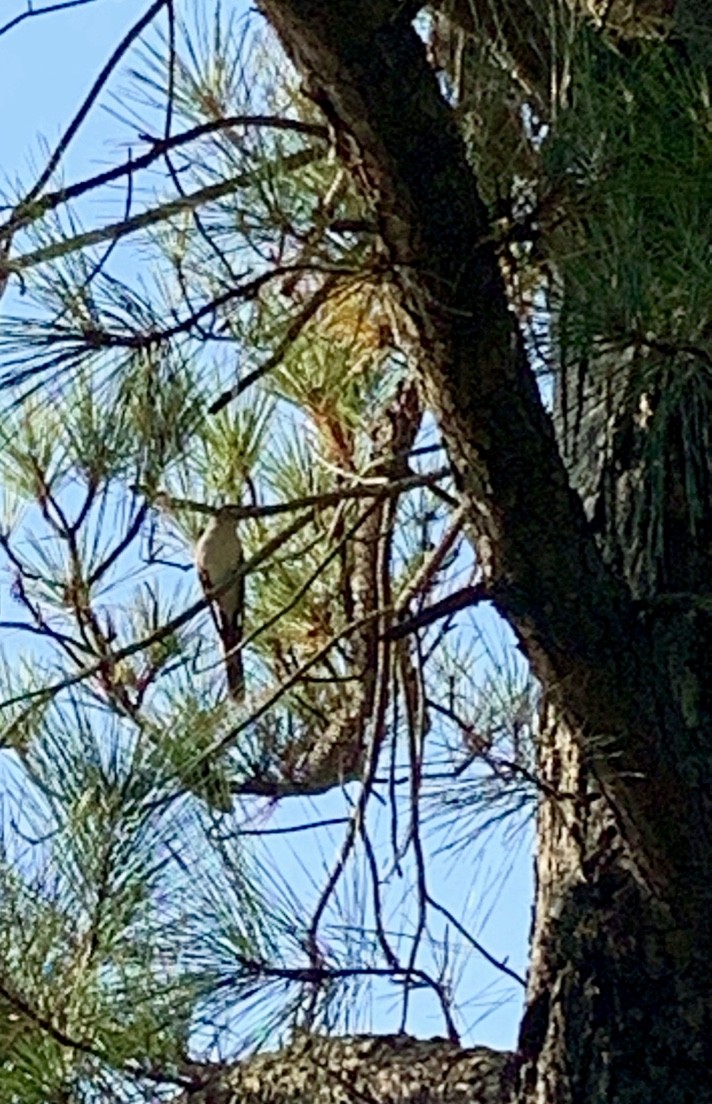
x=30, y=12
x=64, y=142
x=505, y=969
x=377, y=487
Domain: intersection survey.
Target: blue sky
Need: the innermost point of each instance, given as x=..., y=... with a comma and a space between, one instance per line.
x=47, y=65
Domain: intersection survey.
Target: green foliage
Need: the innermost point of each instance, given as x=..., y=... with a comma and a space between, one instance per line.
x=633, y=154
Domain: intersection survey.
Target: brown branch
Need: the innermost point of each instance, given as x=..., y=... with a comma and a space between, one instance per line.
x=365, y=1069
x=372, y=487
x=445, y=607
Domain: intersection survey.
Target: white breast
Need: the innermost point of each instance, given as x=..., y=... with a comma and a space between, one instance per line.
x=217, y=554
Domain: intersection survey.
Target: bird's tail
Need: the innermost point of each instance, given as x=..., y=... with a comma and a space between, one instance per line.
x=235, y=677
x=234, y=669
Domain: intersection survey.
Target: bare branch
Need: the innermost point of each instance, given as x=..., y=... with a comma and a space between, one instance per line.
x=445, y=607
x=31, y=12
x=64, y=142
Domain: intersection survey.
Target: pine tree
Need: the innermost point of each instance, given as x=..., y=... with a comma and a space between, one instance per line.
x=427, y=314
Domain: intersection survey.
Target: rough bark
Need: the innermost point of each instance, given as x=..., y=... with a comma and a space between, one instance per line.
x=362, y=1069
x=618, y=1006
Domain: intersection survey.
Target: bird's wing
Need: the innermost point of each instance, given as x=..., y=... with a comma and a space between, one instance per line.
x=212, y=600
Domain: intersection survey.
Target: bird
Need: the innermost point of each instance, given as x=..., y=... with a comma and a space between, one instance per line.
x=219, y=560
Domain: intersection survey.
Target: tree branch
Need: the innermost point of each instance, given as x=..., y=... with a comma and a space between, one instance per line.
x=361, y=1069
x=25, y=213
x=191, y=201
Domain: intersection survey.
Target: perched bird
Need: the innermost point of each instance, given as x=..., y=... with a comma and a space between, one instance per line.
x=218, y=558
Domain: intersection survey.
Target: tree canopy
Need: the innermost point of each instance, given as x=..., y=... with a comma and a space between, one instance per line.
x=419, y=298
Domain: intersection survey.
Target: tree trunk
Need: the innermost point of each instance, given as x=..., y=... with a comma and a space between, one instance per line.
x=619, y=1004
x=620, y=991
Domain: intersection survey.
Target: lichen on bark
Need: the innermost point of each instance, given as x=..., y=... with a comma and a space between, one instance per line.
x=363, y=1069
